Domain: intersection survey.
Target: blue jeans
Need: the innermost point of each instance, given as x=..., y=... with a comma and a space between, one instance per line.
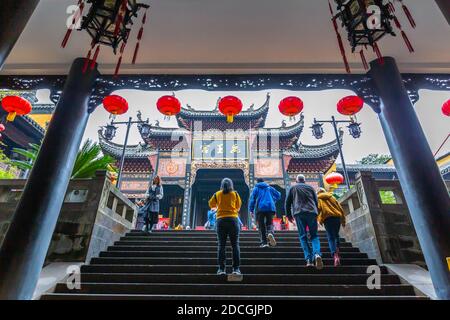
x=333, y=225
x=309, y=220
x=228, y=227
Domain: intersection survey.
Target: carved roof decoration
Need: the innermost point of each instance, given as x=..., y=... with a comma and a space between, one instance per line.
x=132, y=151
x=302, y=151
x=361, y=84
x=213, y=119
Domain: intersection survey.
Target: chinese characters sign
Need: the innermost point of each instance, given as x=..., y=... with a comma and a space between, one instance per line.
x=220, y=150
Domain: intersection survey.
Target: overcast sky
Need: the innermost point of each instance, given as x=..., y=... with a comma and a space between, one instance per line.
x=320, y=104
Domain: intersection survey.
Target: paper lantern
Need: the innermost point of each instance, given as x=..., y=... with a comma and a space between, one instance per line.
x=230, y=106
x=15, y=106
x=115, y=104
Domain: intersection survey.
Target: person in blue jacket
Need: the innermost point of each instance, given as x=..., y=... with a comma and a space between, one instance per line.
x=211, y=223
x=262, y=204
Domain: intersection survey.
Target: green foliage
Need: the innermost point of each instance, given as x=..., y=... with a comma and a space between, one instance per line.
x=387, y=197
x=7, y=170
x=89, y=160
x=375, y=158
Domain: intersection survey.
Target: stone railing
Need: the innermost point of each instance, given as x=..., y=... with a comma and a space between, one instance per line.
x=379, y=223
x=93, y=216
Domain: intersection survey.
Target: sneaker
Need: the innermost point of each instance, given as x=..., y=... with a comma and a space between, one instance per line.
x=337, y=260
x=309, y=263
x=264, y=245
x=221, y=272
x=272, y=240
x=319, y=262
x=237, y=272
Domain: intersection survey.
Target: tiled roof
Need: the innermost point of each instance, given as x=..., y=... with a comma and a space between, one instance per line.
x=367, y=167
x=115, y=150
x=303, y=151
x=255, y=118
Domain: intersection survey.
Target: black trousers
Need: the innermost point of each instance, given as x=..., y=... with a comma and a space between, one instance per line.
x=228, y=227
x=151, y=219
x=265, y=224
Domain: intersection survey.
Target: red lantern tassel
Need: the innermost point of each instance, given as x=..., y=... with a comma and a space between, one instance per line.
x=87, y=60
x=119, y=20
x=341, y=44
x=378, y=52
x=363, y=59
x=119, y=63
x=397, y=23
x=94, y=59
x=139, y=38
x=407, y=42
x=136, y=51
x=75, y=20
x=409, y=16
x=391, y=7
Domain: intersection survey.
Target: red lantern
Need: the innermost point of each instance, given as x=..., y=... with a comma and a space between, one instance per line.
x=350, y=105
x=334, y=179
x=446, y=108
x=16, y=105
x=2, y=127
x=115, y=105
x=230, y=106
x=169, y=105
x=291, y=106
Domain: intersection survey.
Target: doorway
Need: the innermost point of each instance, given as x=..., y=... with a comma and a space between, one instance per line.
x=207, y=183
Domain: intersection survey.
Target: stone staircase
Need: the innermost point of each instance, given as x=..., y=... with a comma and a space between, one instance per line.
x=182, y=265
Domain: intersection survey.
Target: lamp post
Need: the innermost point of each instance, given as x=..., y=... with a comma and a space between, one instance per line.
x=354, y=129
x=110, y=132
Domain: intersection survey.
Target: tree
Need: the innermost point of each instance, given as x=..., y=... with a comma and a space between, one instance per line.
x=89, y=160
x=375, y=158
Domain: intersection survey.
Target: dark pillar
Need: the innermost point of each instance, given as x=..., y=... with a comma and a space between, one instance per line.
x=26, y=243
x=425, y=192
x=14, y=16
x=444, y=5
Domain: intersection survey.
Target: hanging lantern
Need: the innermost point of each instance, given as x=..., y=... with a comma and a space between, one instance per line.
x=291, y=106
x=366, y=23
x=115, y=104
x=109, y=132
x=446, y=108
x=317, y=130
x=168, y=106
x=16, y=105
x=350, y=105
x=230, y=106
x=334, y=179
x=355, y=129
x=109, y=23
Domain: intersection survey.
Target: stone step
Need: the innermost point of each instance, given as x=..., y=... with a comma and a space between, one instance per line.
x=188, y=243
x=348, y=279
x=213, y=238
x=208, y=261
x=212, y=269
x=238, y=289
x=212, y=254
x=210, y=234
x=121, y=297
x=213, y=248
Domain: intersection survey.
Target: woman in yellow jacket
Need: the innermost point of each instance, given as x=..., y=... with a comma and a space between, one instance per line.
x=228, y=203
x=332, y=216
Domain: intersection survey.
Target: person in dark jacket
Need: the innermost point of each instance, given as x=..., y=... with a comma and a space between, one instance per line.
x=154, y=194
x=302, y=204
x=262, y=204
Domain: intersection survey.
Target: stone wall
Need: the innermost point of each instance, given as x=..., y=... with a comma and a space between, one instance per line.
x=94, y=215
x=379, y=222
